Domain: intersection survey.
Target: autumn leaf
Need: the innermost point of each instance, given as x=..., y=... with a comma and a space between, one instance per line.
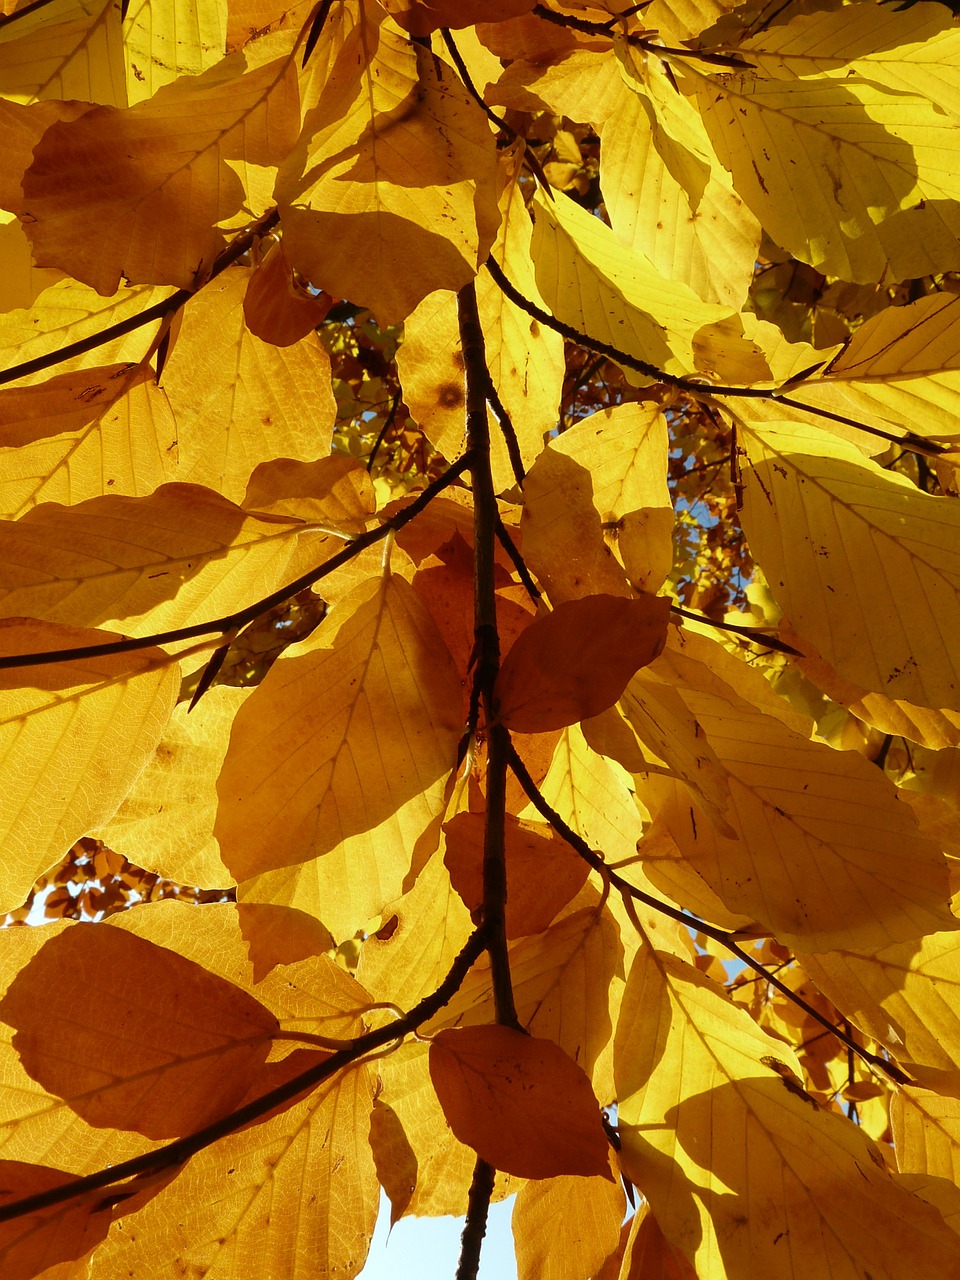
x=576, y=661
x=521, y=1103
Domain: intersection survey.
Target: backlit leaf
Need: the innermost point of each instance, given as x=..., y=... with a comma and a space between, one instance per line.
x=717, y=1133
x=363, y=726
x=575, y=662
x=172, y=1048
x=871, y=568
x=71, y=714
x=521, y=1103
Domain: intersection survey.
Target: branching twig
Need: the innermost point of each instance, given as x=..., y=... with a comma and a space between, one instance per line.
x=694, y=386
x=686, y=918
x=233, y=621
x=179, y=1152
x=475, y=1226
x=487, y=648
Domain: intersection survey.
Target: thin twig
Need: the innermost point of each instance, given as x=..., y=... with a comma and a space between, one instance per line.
x=513, y=551
x=487, y=649
x=507, y=430
x=159, y=311
x=756, y=635
x=694, y=386
x=233, y=621
x=470, y=87
x=475, y=1226
x=179, y=1152
x=690, y=921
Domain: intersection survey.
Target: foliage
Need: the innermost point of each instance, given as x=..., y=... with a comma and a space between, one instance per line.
x=479, y=570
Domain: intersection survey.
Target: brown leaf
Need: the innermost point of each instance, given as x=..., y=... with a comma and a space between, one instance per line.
x=519, y=1102
x=576, y=661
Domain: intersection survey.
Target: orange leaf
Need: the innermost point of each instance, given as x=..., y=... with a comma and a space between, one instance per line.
x=543, y=872
x=274, y=309
x=520, y=1103
x=133, y=1035
x=576, y=661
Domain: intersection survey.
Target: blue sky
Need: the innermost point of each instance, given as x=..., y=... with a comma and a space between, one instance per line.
x=428, y=1248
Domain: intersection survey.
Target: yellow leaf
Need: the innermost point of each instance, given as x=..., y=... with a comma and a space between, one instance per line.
x=519, y=1102
x=85, y=434
x=870, y=568
x=575, y=662
x=592, y=281
x=274, y=309
x=911, y=51
x=69, y=50
x=926, y=1132
x=67, y=312
x=239, y=401
x=742, y=1170
x=163, y=41
x=163, y=216
x=166, y=822
x=621, y=477
x=241, y=1202
x=901, y=369
x=859, y=181
x=60, y=776
x=422, y=933
x=565, y=1228
x=94, y=563
x=358, y=729
x=390, y=193
x=825, y=853
x=905, y=996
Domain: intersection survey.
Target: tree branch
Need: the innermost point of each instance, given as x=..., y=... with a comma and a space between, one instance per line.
x=233, y=621
x=690, y=921
x=475, y=1227
x=487, y=649
x=179, y=1152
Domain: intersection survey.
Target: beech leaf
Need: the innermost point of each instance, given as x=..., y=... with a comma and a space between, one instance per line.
x=519, y=1102
x=576, y=661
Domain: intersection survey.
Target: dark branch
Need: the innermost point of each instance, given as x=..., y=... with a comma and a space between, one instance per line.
x=179, y=1152
x=475, y=1226
x=487, y=649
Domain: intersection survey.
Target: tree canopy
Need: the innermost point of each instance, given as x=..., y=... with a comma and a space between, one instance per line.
x=479, y=566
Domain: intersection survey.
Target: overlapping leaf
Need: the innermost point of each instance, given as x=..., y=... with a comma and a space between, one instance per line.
x=390, y=193
x=190, y=152
x=354, y=734
x=741, y=1169
x=860, y=562
x=181, y=555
